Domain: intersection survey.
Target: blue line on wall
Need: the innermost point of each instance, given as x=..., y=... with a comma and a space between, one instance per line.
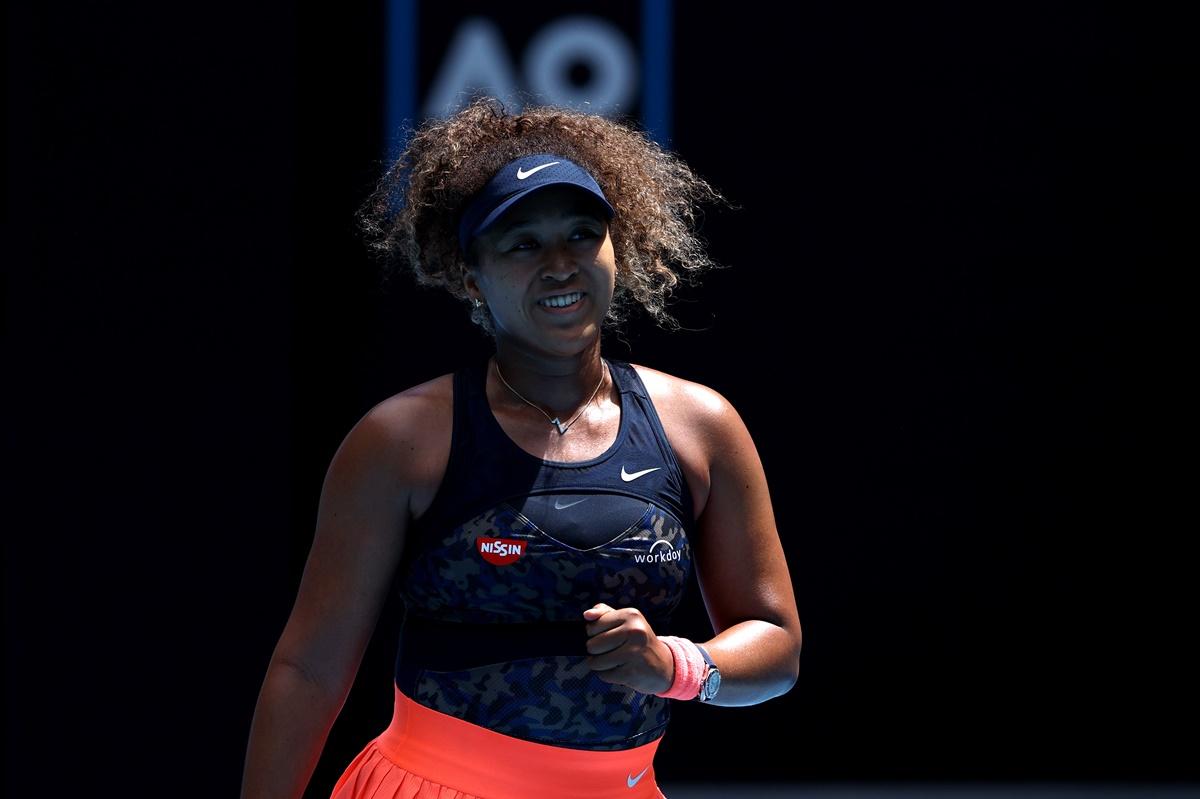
x=657, y=58
x=400, y=80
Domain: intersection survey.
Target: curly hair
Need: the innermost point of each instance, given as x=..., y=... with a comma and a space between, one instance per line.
x=411, y=218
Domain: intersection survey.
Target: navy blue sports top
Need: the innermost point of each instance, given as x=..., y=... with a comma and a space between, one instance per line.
x=497, y=572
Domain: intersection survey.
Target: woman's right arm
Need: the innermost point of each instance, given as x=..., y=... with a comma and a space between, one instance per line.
x=361, y=523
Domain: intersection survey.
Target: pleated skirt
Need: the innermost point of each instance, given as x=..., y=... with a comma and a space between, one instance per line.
x=424, y=754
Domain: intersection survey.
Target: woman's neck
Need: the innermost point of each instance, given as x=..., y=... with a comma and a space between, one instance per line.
x=556, y=385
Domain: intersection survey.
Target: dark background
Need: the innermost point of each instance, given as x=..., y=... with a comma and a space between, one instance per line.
x=946, y=324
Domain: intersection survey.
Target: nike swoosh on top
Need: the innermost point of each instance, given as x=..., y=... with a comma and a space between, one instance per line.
x=626, y=476
x=521, y=175
x=631, y=780
x=569, y=504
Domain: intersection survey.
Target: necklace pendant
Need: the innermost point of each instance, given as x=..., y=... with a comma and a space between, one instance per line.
x=558, y=424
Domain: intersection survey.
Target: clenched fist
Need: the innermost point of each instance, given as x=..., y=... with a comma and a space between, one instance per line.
x=622, y=649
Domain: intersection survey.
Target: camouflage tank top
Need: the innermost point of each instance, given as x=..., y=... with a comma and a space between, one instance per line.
x=497, y=572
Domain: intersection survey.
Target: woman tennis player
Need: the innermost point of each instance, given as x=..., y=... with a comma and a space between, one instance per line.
x=540, y=510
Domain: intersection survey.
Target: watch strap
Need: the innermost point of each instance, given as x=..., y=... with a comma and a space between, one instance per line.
x=711, y=667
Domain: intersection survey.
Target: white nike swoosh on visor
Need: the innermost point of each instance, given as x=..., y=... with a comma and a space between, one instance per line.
x=522, y=175
x=569, y=504
x=631, y=780
x=626, y=476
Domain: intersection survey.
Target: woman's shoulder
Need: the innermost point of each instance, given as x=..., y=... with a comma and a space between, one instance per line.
x=418, y=415
x=416, y=426
x=415, y=405
x=694, y=400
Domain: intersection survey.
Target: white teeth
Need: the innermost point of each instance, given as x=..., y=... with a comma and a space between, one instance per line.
x=564, y=300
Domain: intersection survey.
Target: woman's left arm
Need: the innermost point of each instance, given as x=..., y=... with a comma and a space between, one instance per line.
x=741, y=568
x=743, y=578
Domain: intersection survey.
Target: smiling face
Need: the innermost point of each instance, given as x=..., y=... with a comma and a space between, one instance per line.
x=552, y=242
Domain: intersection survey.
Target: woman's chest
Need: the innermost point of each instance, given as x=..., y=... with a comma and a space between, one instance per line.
x=670, y=404
x=549, y=557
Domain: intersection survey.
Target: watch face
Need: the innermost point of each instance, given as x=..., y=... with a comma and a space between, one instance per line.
x=711, y=684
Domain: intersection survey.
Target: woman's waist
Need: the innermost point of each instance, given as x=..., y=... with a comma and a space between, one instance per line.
x=557, y=700
x=528, y=680
x=484, y=761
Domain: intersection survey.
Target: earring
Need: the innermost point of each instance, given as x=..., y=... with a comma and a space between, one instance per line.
x=477, y=302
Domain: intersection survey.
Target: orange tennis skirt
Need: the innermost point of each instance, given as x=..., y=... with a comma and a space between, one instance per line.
x=424, y=754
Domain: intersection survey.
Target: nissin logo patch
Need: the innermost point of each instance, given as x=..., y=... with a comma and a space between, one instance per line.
x=500, y=551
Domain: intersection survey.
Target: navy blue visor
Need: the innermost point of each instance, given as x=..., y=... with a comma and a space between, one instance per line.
x=514, y=181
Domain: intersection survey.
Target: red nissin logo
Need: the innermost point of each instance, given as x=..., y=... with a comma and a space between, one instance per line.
x=501, y=551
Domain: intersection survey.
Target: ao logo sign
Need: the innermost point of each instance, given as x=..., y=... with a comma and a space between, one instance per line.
x=477, y=60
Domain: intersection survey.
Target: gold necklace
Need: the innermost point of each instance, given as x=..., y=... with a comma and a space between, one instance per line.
x=555, y=421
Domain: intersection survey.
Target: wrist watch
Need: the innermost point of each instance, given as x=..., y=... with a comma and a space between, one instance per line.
x=711, y=683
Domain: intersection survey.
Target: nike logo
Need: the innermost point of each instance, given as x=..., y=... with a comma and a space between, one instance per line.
x=631, y=780
x=569, y=504
x=626, y=476
x=521, y=175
